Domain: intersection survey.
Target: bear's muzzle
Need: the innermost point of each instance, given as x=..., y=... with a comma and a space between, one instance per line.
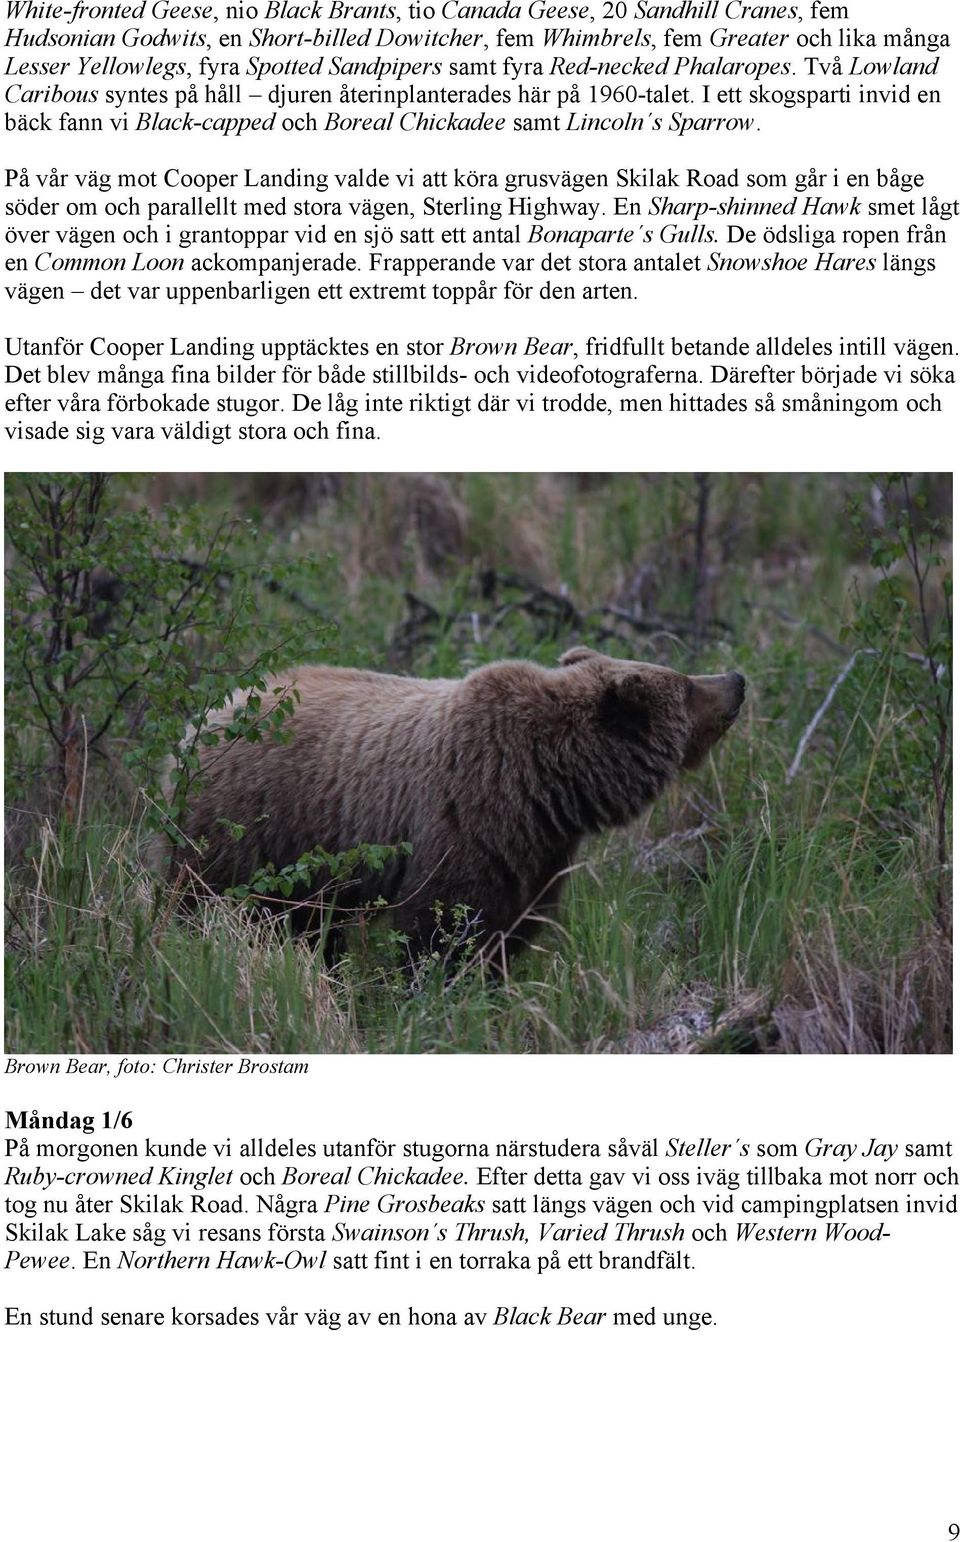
x=715, y=702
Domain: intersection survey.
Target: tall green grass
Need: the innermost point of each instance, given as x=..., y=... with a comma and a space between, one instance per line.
x=745, y=911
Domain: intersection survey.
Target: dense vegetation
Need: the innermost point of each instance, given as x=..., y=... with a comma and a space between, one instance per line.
x=793, y=896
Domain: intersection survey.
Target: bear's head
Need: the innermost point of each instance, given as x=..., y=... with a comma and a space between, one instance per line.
x=674, y=718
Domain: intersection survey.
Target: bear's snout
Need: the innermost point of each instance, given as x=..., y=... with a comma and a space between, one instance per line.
x=715, y=703
x=738, y=691
x=725, y=693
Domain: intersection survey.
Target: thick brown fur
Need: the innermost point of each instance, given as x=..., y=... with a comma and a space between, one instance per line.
x=493, y=780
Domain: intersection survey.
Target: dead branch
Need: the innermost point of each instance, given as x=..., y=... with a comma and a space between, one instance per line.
x=824, y=707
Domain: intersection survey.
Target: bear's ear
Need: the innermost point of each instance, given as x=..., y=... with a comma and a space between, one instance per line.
x=625, y=707
x=579, y=656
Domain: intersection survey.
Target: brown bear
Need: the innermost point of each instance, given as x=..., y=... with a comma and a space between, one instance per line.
x=492, y=781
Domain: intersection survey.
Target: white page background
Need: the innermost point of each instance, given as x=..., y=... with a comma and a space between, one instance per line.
x=822, y=1404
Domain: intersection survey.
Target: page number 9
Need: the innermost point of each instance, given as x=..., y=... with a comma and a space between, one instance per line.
x=953, y=1532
